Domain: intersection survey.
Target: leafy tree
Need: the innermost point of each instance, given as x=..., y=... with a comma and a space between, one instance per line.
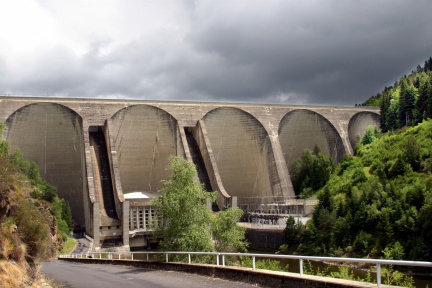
x=374, y=200
x=228, y=236
x=411, y=152
x=49, y=193
x=33, y=173
x=311, y=172
x=371, y=134
x=184, y=222
x=19, y=161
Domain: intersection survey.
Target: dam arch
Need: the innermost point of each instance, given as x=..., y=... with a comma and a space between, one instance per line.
x=359, y=123
x=144, y=138
x=242, y=151
x=302, y=129
x=51, y=135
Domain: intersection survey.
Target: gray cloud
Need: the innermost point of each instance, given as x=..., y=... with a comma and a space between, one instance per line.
x=294, y=52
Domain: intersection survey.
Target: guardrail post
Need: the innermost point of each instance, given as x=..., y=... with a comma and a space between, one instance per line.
x=217, y=259
x=253, y=263
x=147, y=257
x=132, y=256
x=223, y=260
x=301, y=267
x=166, y=256
x=378, y=274
x=189, y=258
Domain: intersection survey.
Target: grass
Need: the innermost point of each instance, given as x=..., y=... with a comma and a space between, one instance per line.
x=12, y=275
x=68, y=246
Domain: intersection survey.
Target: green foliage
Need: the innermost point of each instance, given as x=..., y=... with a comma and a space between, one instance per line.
x=265, y=264
x=379, y=199
x=229, y=237
x=4, y=148
x=391, y=276
x=184, y=222
x=408, y=102
x=33, y=228
x=26, y=223
x=293, y=236
x=311, y=172
x=371, y=134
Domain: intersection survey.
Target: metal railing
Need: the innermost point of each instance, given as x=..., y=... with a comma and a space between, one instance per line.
x=222, y=256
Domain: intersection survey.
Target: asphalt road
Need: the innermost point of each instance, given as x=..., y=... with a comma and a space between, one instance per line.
x=82, y=246
x=79, y=275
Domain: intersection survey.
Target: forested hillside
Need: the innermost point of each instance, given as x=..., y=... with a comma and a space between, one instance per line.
x=408, y=101
x=376, y=203
x=33, y=220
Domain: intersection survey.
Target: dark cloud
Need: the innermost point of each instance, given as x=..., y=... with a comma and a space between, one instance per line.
x=294, y=52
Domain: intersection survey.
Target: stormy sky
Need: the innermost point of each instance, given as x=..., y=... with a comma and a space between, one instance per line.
x=324, y=52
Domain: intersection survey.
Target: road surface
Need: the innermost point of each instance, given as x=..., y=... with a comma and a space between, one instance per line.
x=82, y=246
x=81, y=275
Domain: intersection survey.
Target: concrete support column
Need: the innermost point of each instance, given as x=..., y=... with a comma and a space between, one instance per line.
x=125, y=224
x=210, y=164
x=185, y=143
x=114, y=167
x=96, y=226
x=144, y=218
x=286, y=188
x=88, y=181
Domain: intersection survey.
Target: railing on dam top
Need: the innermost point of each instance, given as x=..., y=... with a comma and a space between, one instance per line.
x=222, y=256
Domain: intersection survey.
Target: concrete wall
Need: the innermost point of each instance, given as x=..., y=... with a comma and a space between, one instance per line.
x=242, y=152
x=264, y=238
x=359, y=123
x=305, y=129
x=247, y=148
x=52, y=136
x=144, y=139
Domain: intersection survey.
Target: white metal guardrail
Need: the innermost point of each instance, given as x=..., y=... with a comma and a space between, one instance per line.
x=223, y=255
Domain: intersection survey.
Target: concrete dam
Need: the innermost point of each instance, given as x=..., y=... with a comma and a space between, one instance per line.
x=107, y=158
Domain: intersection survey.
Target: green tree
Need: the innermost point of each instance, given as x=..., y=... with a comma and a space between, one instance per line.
x=33, y=173
x=311, y=172
x=290, y=233
x=371, y=134
x=184, y=222
x=228, y=236
x=411, y=149
x=384, y=111
x=406, y=103
x=423, y=95
x=49, y=192
x=19, y=161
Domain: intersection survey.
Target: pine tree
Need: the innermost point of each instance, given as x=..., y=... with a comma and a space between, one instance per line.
x=428, y=65
x=384, y=111
x=406, y=103
x=423, y=91
x=427, y=113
